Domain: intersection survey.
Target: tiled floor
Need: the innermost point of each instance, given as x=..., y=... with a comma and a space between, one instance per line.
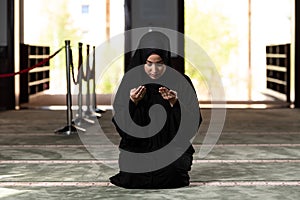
x=256, y=157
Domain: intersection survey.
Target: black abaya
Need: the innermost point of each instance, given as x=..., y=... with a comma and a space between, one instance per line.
x=173, y=175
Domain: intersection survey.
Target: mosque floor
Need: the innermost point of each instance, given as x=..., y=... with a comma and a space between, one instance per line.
x=257, y=156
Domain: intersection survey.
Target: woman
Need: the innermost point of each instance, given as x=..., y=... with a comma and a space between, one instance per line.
x=147, y=170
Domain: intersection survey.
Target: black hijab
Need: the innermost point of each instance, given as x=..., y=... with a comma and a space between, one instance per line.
x=152, y=42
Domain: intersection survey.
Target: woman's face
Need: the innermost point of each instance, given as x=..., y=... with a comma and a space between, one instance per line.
x=154, y=66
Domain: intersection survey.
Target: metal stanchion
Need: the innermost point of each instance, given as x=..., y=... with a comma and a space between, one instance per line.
x=88, y=78
x=80, y=120
x=97, y=110
x=89, y=112
x=70, y=128
x=80, y=75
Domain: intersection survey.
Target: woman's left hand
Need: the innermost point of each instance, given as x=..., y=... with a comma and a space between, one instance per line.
x=169, y=95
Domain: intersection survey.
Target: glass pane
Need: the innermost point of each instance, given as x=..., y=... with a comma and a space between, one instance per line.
x=271, y=25
x=50, y=23
x=221, y=28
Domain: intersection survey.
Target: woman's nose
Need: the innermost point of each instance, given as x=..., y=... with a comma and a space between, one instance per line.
x=154, y=69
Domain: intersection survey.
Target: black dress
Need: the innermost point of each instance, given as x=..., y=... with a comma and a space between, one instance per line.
x=173, y=175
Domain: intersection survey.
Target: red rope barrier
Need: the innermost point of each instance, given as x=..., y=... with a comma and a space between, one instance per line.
x=34, y=66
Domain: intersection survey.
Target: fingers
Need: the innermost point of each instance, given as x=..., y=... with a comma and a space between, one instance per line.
x=163, y=91
x=172, y=93
x=140, y=91
x=136, y=94
x=167, y=94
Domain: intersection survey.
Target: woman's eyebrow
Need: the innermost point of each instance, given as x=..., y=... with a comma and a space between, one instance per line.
x=160, y=61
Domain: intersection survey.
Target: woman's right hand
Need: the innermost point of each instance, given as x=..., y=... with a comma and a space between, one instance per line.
x=137, y=94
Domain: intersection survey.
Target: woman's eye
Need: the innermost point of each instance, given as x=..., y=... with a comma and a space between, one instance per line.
x=156, y=64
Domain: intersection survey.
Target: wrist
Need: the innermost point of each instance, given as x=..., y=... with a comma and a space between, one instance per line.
x=133, y=100
x=173, y=102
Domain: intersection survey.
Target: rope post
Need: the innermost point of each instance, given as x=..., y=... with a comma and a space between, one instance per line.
x=69, y=97
x=94, y=82
x=80, y=73
x=88, y=78
x=80, y=120
x=70, y=128
x=97, y=110
x=89, y=112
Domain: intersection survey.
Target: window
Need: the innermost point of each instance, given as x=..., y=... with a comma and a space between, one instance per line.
x=85, y=9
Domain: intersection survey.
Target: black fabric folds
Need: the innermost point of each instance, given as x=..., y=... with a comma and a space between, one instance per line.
x=176, y=173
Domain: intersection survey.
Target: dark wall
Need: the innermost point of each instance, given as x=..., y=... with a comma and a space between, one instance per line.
x=7, y=91
x=297, y=54
x=144, y=13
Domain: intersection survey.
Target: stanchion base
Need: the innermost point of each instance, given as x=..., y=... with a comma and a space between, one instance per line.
x=67, y=130
x=98, y=110
x=98, y=115
x=83, y=121
x=92, y=114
